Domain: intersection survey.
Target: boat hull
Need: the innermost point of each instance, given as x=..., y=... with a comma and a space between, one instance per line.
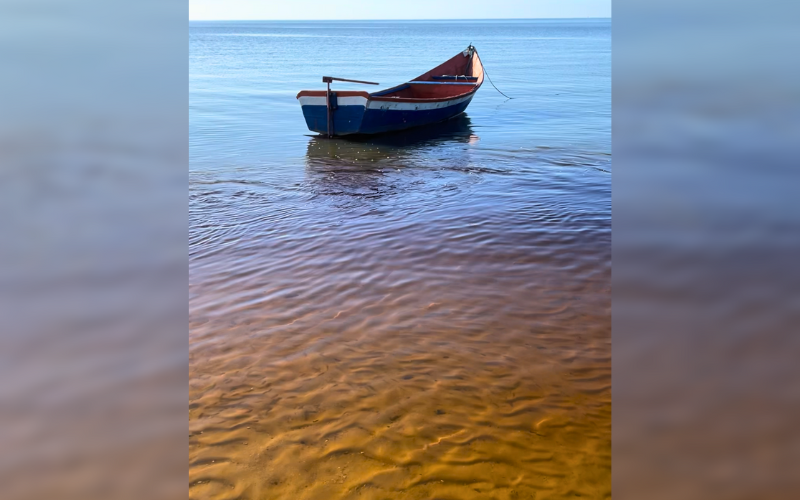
x=360, y=115
x=435, y=96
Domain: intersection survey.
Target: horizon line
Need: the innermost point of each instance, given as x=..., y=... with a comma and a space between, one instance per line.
x=431, y=19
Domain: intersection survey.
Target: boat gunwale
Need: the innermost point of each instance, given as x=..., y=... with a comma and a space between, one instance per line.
x=423, y=99
x=358, y=93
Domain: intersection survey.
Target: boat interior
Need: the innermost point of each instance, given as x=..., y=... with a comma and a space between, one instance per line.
x=459, y=75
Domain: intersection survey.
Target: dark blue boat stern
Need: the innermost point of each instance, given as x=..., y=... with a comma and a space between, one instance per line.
x=347, y=111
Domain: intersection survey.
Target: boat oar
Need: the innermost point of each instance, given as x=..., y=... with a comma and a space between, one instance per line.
x=328, y=80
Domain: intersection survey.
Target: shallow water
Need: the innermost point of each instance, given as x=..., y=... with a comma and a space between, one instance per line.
x=421, y=315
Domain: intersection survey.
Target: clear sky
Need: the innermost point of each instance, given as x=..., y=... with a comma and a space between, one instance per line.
x=394, y=9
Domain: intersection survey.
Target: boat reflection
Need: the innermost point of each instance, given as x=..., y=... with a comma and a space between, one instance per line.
x=366, y=166
x=395, y=149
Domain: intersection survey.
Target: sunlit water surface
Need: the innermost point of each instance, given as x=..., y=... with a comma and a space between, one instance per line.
x=422, y=315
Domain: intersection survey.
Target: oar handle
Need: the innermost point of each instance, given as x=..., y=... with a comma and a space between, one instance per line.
x=329, y=79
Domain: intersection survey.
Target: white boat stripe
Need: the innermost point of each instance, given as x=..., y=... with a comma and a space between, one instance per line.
x=342, y=101
x=417, y=106
x=387, y=105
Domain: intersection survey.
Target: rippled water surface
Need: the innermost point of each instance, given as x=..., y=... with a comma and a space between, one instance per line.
x=420, y=315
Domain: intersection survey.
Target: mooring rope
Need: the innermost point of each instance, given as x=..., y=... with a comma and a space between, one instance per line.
x=490, y=80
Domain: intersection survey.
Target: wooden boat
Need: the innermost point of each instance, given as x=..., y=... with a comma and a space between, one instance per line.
x=435, y=96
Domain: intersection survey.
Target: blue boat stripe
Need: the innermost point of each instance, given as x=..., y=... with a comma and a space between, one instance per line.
x=385, y=120
x=443, y=83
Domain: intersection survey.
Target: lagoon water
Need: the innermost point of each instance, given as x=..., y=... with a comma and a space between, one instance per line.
x=420, y=315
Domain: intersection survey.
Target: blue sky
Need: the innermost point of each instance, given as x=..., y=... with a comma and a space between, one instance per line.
x=395, y=9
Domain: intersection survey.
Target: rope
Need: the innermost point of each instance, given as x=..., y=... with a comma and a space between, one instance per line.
x=490, y=81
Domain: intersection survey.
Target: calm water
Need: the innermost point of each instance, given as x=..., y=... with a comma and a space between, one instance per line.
x=423, y=315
